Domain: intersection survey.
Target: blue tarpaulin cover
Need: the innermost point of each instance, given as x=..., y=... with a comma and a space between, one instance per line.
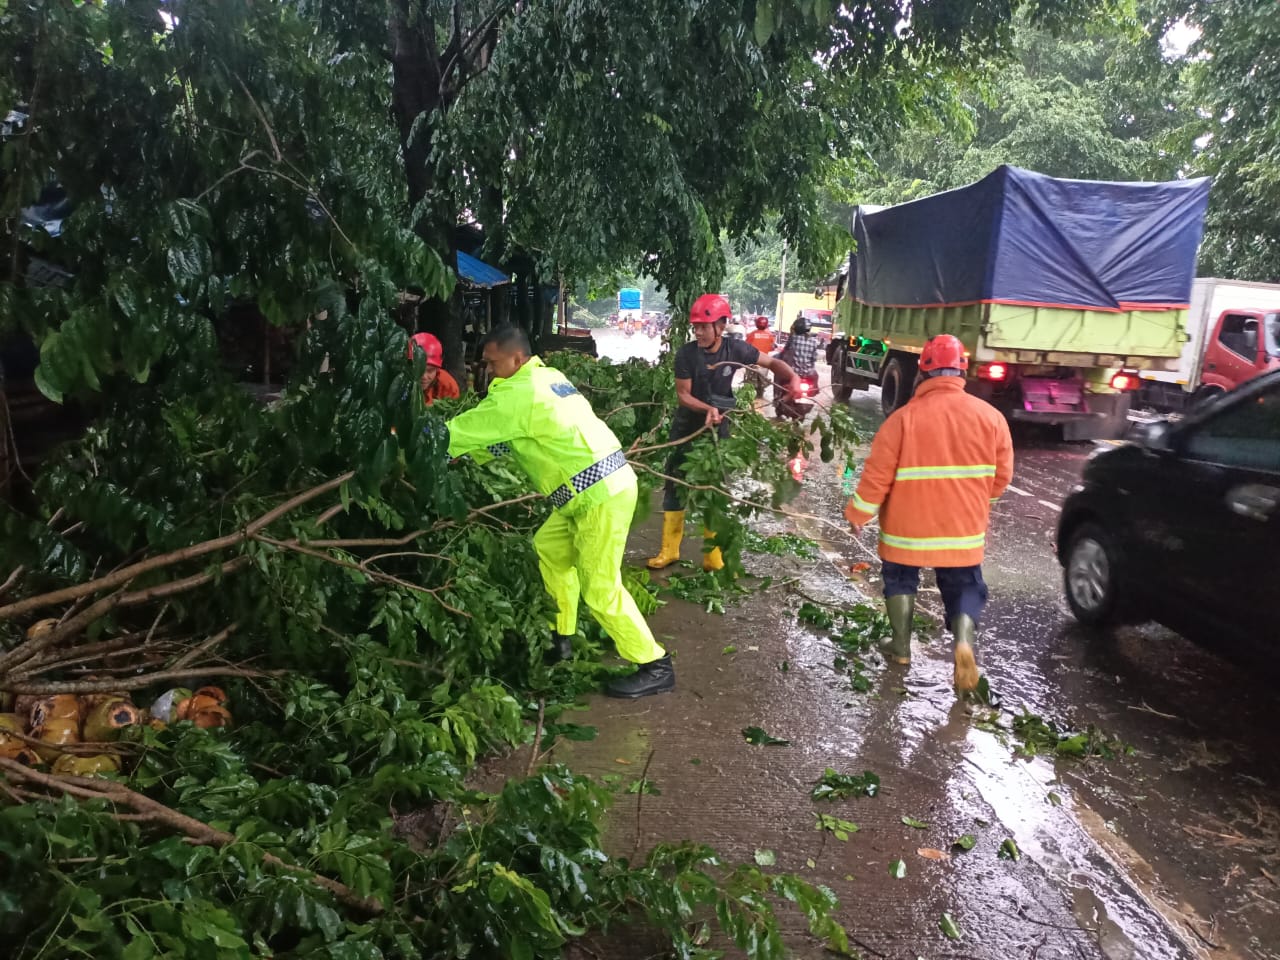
x=629, y=298
x=1021, y=237
x=478, y=273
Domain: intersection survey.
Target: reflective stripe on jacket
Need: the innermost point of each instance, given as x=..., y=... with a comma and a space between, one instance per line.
x=540, y=419
x=936, y=466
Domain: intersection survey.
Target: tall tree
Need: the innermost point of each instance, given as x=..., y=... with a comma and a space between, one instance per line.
x=1235, y=71
x=1085, y=102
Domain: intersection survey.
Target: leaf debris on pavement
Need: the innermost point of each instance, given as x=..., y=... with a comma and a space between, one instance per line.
x=758, y=737
x=833, y=785
x=965, y=842
x=766, y=858
x=1009, y=850
x=840, y=829
x=949, y=928
x=915, y=824
x=897, y=869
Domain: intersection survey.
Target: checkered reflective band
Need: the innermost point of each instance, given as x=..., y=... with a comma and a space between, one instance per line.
x=593, y=474
x=500, y=449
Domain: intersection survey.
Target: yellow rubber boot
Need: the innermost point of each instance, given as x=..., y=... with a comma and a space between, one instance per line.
x=672, y=534
x=966, y=673
x=712, y=560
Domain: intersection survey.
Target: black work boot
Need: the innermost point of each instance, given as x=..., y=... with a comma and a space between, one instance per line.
x=656, y=677
x=561, y=648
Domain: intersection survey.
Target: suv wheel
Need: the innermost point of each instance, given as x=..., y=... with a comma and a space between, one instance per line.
x=1091, y=576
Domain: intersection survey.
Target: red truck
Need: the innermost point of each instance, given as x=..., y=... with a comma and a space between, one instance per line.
x=1232, y=336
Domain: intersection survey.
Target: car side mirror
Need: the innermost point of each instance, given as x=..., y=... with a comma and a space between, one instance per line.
x=1156, y=435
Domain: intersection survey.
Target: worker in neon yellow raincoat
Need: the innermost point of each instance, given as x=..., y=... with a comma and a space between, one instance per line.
x=538, y=418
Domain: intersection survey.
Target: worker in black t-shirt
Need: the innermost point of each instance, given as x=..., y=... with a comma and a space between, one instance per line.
x=704, y=387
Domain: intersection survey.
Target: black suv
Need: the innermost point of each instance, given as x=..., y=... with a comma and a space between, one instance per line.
x=1182, y=526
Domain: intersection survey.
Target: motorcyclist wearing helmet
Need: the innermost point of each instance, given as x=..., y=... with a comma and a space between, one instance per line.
x=936, y=466
x=802, y=348
x=704, y=386
x=437, y=383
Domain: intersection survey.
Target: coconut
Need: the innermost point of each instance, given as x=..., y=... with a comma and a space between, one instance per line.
x=22, y=705
x=41, y=628
x=217, y=693
x=88, y=701
x=61, y=706
x=22, y=752
x=53, y=734
x=211, y=716
x=106, y=720
x=87, y=766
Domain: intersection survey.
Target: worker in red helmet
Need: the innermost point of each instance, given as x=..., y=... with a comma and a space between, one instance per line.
x=704, y=388
x=762, y=339
x=936, y=467
x=437, y=383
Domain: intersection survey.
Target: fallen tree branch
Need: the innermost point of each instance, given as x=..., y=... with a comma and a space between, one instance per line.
x=133, y=683
x=126, y=574
x=204, y=647
x=70, y=627
x=375, y=574
x=196, y=831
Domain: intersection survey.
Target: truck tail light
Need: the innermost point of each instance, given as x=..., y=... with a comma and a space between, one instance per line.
x=804, y=389
x=993, y=371
x=1124, y=381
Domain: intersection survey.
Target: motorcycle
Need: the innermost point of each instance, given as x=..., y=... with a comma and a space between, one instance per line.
x=798, y=404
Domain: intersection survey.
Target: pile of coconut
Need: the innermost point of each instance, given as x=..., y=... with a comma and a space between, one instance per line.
x=60, y=730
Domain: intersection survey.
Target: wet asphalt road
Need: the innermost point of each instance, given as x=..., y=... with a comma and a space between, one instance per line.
x=1173, y=851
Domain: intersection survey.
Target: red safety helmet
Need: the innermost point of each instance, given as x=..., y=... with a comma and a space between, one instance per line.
x=944, y=352
x=429, y=345
x=709, y=308
x=762, y=323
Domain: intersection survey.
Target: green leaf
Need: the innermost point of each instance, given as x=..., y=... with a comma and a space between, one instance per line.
x=897, y=869
x=838, y=786
x=1009, y=850
x=1054, y=799
x=765, y=858
x=758, y=737
x=965, y=842
x=948, y=926
x=764, y=21
x=915, y=824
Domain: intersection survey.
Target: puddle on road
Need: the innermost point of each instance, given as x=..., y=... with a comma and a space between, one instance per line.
x=1124, y=923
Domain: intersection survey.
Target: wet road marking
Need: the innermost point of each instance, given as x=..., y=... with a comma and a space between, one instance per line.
x=1052, y=506
x=1019, y=492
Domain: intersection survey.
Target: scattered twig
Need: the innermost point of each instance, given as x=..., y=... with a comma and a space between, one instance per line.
x=644, y=779
x=203, y=648
x=13, y=578
x=537, y=738
x=1147, y=709
x=1204, y=939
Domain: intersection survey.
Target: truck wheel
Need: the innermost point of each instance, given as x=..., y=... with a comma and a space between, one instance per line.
x=840, y=389
x=895, y=385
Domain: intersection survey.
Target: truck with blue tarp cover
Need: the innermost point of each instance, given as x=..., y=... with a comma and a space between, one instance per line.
x=1062, y=291
x=630, y=308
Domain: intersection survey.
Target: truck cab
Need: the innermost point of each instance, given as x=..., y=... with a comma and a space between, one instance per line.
x=1245, y=344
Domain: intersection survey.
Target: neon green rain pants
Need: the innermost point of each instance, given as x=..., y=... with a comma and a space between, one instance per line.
x=581, y=554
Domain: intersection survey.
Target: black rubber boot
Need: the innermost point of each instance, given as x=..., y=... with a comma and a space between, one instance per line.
x=561, y=648
x=656, y=677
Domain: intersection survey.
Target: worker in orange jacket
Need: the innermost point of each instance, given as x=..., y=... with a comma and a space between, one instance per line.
x=936, y=466
x=437, y=382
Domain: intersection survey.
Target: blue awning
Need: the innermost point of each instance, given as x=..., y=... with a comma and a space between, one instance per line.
x=478, y=273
